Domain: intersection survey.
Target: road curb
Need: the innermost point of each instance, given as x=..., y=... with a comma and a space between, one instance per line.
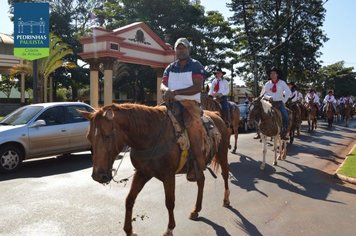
x=343, y=177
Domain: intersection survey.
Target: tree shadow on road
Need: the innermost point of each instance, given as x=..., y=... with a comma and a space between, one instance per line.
x=50, y=166
x=308, y=182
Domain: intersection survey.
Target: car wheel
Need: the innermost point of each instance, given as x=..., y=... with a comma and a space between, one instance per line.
x=11, y=158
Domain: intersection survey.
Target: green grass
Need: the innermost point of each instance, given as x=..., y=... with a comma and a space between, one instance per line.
x=349, y=167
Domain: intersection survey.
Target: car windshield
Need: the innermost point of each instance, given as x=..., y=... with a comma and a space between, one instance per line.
x=21, y=116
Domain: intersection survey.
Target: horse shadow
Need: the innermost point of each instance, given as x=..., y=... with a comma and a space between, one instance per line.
x=308, y=181
x=245, y=174
x=50, y=166
x=243, y=224
x=219, y=230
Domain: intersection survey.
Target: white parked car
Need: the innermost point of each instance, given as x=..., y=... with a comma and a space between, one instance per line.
x=41, y=130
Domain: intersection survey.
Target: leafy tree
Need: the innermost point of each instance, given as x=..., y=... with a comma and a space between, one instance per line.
x=336, y=77
x=286, y=34
x=6, y=84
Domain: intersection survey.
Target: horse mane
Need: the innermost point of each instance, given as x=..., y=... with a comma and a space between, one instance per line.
x=139, y=118
x=266, y=106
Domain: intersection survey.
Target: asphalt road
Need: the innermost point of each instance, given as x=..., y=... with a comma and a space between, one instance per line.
x=299, y=196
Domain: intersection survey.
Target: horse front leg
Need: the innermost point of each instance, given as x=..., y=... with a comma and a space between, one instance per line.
x=308, y=125
x=277, y=140
x=138, y=182
x=264, y=150
x=236, y=136
x=195, y=213
x=169, y=189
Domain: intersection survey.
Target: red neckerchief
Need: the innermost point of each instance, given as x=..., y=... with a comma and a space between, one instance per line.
x=274, y=87
x=216, y=87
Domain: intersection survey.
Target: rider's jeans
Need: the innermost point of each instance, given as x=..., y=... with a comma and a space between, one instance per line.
x=284, y=113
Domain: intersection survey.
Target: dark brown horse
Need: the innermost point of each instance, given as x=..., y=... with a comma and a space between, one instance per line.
x=312, y=116
x=211, y=104
x=154, y=152
x=347, y=112
x=329, y=111
x=295, y=122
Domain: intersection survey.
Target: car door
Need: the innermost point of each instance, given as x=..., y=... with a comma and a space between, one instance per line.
x=52, y=138
x=78, y=127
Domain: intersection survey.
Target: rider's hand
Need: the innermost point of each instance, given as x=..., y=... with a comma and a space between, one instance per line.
x=168, y=96
x=270, y=99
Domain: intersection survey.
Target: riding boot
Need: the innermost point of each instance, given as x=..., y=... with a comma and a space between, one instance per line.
x=193, y=173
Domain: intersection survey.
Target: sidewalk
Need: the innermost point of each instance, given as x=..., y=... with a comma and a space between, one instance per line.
x=343, y=177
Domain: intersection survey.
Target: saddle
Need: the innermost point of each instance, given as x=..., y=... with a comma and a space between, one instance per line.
x=175, y=113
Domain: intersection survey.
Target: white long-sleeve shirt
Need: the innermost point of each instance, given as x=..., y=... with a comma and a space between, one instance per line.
x=329, y=99
x=296, y=96
x=349, y=100
x=315, y=98
x=224, y=88
x=282, y=94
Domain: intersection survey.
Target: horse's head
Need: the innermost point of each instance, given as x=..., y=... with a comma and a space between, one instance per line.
x=254, y=111
x=105, y=141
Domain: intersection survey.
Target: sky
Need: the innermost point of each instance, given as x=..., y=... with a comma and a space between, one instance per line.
x=339, y=26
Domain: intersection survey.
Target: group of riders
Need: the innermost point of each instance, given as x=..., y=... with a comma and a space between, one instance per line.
x=182, y=82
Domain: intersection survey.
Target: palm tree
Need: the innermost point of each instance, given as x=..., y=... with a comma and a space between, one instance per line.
x=46, y=66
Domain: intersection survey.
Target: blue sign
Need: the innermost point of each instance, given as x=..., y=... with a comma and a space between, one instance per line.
x=31, y=30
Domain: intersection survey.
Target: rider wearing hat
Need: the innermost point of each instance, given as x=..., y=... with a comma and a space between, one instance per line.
x=295, y=96
x=312, y=96
x=330, y=98
x=278, y=92
x=220, y=88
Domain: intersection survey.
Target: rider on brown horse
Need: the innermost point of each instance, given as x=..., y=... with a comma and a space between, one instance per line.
x=330, y=98
x=182, y=81
x=220, y=89
x=278, y=92
x=313, y=98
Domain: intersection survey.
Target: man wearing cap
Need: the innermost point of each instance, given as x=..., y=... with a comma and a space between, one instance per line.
x=330, y=98
x=182, y=81
x=278, y=92
x=220, y=88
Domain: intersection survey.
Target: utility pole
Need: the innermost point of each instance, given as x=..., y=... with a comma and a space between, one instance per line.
x=232, y=82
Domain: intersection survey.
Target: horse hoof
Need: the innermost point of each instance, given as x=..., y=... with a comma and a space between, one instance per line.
x=262, y=166
x=229, y=146
x=133, y=234
x=279, y=158
x=169, y=232
x=226, y=203
x=194, y=216
x=275, y=163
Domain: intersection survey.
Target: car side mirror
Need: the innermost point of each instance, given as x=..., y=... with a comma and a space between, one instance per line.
x=38, y=123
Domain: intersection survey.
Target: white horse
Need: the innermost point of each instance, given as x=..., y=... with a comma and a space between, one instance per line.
x=269, y=121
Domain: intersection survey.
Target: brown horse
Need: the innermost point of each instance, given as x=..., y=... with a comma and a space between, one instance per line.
x=269, y=121
x=295, y=123
x=347, y=112
x=312, y=116
x=329, y=111
x=154, y=152
x=211, y=104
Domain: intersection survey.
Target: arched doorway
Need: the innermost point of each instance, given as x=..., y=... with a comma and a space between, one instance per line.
x=135, y=43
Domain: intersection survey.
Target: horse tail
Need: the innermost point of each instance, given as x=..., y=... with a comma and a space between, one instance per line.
x=215, y=163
